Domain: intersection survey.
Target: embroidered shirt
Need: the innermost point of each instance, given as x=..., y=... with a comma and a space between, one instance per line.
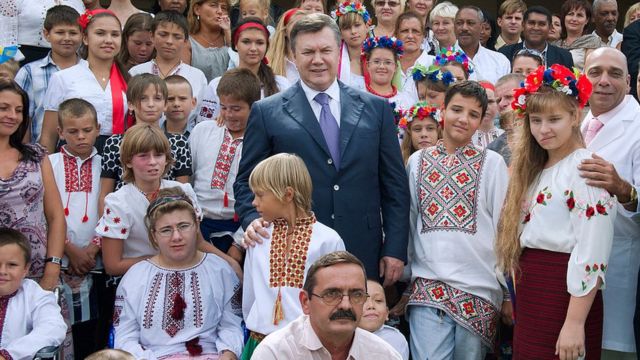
x=456, y=201
x=482, y=139
x=581, y=217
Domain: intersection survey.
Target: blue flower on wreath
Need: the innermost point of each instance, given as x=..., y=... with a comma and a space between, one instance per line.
x=383, y=42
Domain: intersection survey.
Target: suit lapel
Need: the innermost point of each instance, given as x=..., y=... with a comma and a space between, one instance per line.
x=297, y=106
x=351, y=106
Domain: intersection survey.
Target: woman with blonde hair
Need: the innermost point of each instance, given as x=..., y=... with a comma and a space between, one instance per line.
x=558, y=274
x=209, y=37
x=441, y=19
x=632, y=14
x=279, y=53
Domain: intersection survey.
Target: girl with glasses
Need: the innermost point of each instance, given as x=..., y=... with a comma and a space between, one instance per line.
x=381, y=55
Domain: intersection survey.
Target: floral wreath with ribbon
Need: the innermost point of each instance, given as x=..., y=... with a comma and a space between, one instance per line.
x=351, y=7
x=420, y=111
x=383, y=42
x=559, y=78
x=400, y=116
x=450, y=55
x=433, y=73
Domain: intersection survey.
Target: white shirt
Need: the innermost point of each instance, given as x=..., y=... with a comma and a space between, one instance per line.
x=613, y=40
x=407, y=79
x=31, y=14
x=144, y=300
x=582, y=228
x=618, y=143
x=209, y=103
x=334, y=99
x=451, y=233
x=292, y=71
x=298, y=340
x=395, y=338
x=78, y=203
x=205, y=141
x=194, y=76
x=79, y=82
x=123, y=217
x=488, y=65
x=258, y=298
x=32, y=320
x=344, y=73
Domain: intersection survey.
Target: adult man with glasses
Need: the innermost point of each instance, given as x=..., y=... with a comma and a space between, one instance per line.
x=332, y=300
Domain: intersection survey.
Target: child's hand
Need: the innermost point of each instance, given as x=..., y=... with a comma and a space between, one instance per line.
x=228, y=355
x=92, y=249
x=507, y=313
x=399, y=308
x=570, y=345
x=80, y=260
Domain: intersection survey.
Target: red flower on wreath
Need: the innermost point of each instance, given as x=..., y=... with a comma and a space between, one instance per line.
x=85, y=19
x=193, y=346
x=590, y=212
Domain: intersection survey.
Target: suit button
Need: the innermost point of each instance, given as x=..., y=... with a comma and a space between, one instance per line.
x=330, y=161
x=333, y=216
x=336, y=187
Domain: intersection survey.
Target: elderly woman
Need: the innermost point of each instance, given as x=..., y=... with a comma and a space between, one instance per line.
x=574, y=16
x=386, y=12
x=441, y=19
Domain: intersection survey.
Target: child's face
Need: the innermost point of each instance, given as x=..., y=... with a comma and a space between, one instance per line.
x=148, y=166
x=432, y=97
x=180, y=102
x=375, y=311
x=150, y=107
x=355, y=35
x=175, y=235
x=235, y=113
x=424, y=133
x=268, y=205
x=251, y=47
x=462, y=118
x=80, y=133
x=13, y=268
x=252, y=8
x=175, y=5
x=524, y=65
x=381, y=66
x=6, y=74
x=10, y=112
x=103, y=38
x=312, y=6
x=553, y=130
x=65, y=39
x=140, y=46
x=456, y=71
x=492, y=106
x=169, y=40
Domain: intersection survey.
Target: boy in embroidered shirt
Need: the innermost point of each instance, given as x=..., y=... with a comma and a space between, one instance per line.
x=77, y=172
x=216, y=150
x=275, y=271
x=457, y=191
x=62, y=31
x=178, y=116
x=30, y=317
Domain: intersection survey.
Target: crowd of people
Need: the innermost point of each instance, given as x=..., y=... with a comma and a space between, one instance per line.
x=391, y=179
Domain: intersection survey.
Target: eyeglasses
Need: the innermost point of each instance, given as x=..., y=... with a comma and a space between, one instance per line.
x=167, y=232
x=390, y=3
x=334, y=297
x=378, y=63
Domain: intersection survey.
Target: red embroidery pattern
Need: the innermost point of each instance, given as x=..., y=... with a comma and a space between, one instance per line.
x=197, y=301
x=592, y=270
x=74, y=182
x=223, y=163
x=447, y=188
x=287, y=269
x=117, y=309
x=589, y=210
x=540, y=199
x=472, y=312
x=173, y=286
x=147, y=320
x=4, y=304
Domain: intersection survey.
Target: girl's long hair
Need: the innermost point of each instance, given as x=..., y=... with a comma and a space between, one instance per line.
x=528, y=161
x=279, y=47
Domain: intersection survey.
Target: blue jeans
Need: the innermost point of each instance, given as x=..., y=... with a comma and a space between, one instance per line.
x=436, y=336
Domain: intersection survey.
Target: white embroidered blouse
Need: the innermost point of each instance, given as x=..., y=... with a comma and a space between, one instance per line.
x=581, y=217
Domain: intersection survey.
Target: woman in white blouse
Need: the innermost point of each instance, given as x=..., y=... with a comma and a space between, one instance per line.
x=555, y=230
x=441, y=20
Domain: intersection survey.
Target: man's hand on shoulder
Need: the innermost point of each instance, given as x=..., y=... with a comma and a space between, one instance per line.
x=254, y=233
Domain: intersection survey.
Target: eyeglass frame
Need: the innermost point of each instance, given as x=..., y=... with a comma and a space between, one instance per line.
x=338, y=300
x=383, y=3
x=180, y=228
x=385, y=63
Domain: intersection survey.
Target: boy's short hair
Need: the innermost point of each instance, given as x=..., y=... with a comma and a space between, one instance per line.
x=241, y=84
x=139, y=83
x=280, y=171
x=10, y=236
x=110, y=354
x=328, y=260
x=538, y=10
x=171, y=17
x=11, y=66
x=438, y=86
x=468, y=89
x=142, y=138
x=176, y=80
x=510, y=77
x=61, y=15
x=511, y=6
x=75, y=108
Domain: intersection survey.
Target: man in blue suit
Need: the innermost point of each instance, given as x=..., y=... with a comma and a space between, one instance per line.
x=348, y=141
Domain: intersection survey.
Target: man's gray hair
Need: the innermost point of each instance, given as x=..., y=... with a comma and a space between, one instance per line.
x=314, y=23
x=597, y=3
x=474, y=8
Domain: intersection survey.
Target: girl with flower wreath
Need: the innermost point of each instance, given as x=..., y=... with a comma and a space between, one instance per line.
x=354, y=21
x=381, y=55
x=555, y=232
x=180, y=303
x=454, y=61
x=421, y=128
x=431, y=84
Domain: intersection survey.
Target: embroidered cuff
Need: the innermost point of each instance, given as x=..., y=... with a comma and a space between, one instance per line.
x=5, y=354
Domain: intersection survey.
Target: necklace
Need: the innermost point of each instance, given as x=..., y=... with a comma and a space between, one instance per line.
x=98, y=77
x=156, y=70
x=151, y=195
x=210, y=44
x=393, y=93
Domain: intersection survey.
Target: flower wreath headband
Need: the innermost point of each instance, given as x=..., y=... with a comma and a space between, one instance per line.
x=449, y=55
x=419, y=111
x=559, y=78
x=433, y=73
x=383, y=42
x=88, y=15
x=351, y=7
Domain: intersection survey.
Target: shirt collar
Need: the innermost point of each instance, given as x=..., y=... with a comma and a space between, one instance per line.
x=609, y=39
x=64, y=152
x=311, y=341
x=611, y=114
x=544, y=52
x=333, y=91
x=48, y=61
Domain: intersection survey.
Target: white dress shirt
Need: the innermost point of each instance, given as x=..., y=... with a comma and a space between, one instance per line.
x=613, y=40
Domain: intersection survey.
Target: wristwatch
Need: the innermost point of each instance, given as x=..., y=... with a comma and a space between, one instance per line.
x=633, y=196
x=54, y=259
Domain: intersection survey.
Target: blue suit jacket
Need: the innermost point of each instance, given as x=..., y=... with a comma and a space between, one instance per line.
x=367, y=194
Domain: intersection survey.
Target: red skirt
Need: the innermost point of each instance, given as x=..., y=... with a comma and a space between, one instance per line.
x=542, y=301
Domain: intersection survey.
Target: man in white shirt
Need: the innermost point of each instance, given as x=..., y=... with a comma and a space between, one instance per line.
x=605, y=19
x=611, y=131
x=487, y=65
x=332, y=300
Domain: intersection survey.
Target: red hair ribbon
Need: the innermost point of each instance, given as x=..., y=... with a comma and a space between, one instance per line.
x=249, y=25
x=289, y=14
x=487, y=85
x=86, y=17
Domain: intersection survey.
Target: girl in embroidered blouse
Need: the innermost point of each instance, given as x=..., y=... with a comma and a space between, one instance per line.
x=381, y=56
x=101, y=80
x=422, y=129
x=272, y=280
x=558, y=272
x=181, y=303
x=354, y=21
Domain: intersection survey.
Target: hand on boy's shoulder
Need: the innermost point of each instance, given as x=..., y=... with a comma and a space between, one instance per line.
x=255, y=232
